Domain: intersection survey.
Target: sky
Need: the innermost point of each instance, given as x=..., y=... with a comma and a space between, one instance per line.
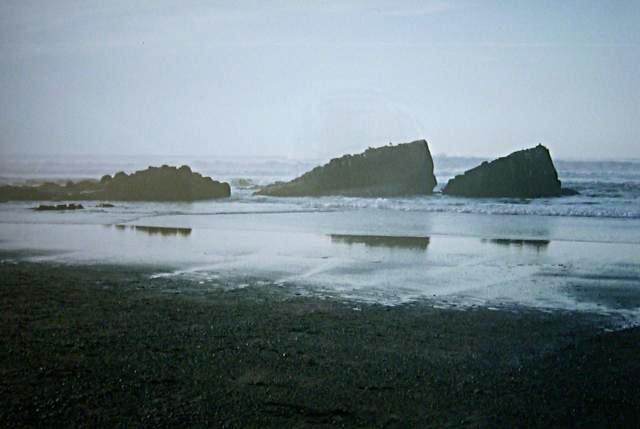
x=311, y=79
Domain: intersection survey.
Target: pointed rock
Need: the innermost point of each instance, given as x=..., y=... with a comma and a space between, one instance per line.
x=403, y=169
x=527, y=173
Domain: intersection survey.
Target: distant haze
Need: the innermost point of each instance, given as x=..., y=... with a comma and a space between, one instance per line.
x=319, y=78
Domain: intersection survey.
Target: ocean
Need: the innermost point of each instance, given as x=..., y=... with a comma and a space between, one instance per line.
x=577, y=253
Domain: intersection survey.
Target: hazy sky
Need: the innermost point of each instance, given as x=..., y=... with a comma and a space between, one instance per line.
x=319, y=78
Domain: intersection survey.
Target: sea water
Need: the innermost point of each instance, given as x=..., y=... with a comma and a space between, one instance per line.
x=579, y=253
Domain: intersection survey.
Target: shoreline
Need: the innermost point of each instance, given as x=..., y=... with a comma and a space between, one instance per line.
x=94, y=345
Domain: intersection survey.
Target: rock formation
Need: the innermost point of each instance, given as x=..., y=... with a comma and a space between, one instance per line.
x=528, y=173
x=163, y=184
x=58, y=207
x=153, y=184
x=403, y=169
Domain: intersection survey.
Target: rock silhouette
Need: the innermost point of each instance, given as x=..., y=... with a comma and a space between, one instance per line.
x=163, y=184
x=527, y=173
x=153, y=184
x=403, y=169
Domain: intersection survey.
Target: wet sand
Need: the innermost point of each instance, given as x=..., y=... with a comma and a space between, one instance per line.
x=102, y=345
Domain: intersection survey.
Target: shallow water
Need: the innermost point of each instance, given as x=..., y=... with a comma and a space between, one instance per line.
x=316, y=256
x=575, y=253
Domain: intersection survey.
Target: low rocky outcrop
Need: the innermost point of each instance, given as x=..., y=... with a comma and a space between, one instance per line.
x=59, y=207
x=153, y=184
x=527, y=173
x=403, y=169
x=45, y=191
x=162, y=184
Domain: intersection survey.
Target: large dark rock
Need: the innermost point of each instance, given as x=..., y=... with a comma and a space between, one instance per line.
x=153, y=184
x=528, y=173
x=163, y=184
x=404, y=169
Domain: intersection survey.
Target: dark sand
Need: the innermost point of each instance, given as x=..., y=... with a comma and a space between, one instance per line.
x=98, y=346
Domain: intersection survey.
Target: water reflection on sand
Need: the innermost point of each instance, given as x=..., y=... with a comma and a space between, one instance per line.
x=156, y=230
x=333, y=260
x=510, y=242
x=418, y=243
